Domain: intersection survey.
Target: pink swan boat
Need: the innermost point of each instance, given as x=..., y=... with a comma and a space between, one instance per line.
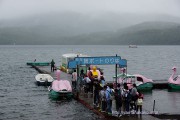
x=60, y=88
x=141, y=82
x=174, y=82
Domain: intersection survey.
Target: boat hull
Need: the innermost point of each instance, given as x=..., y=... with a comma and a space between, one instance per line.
x=173, y=86
x=38, y=83
x=60, y=95
x=145, y=87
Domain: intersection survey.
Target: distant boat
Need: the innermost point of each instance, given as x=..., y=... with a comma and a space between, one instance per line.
x=132, y=46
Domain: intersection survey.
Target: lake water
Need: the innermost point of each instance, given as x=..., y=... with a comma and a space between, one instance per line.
x=20, y=98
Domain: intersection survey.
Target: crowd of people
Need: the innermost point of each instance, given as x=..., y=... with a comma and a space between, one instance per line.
x=126, y=100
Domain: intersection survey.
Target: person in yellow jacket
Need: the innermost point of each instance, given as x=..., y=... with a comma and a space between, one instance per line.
x=94, y=73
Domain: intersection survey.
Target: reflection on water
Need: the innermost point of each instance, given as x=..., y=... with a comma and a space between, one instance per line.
x=165, y=102
x=21, y=98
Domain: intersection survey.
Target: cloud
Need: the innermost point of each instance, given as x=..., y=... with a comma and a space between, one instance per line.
x=20, y=8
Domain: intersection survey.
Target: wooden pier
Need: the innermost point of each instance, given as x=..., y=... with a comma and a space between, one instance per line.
x=87, y=100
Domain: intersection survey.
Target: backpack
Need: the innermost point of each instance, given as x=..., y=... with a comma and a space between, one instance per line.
x=111, y=95
x=139, y=101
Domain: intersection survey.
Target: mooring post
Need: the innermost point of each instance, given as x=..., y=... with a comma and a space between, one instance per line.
x=153, y=105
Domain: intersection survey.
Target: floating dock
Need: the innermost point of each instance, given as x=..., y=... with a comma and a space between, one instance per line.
x=38, y=63
x=160, y=84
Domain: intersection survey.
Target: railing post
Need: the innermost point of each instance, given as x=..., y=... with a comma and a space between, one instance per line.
x=116, y=72
x=77, y=84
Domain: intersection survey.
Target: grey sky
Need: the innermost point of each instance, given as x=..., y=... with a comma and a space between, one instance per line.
x=20, y=8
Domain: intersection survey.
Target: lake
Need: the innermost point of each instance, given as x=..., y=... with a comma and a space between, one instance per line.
x=21, y=99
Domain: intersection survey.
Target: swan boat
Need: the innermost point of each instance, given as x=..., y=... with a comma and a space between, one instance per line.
x=142, y=83
x=60, y=89
x=174, y=82
x=44, y=79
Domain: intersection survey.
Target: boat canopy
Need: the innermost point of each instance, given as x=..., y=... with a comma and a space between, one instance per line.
x=70, y=56
x=73, y=55
x=124, y=76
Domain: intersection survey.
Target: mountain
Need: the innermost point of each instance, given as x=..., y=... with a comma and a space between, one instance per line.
x=146, y=33
x=105, y=28
x=149, y=33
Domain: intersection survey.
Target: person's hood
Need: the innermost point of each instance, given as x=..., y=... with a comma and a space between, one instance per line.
x=108, y=88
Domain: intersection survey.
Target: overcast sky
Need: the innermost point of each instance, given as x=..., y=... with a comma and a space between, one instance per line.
x=20, y=8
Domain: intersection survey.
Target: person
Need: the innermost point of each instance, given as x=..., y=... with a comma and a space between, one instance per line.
x=108, y=100
x=82, y=75
x=140, y=101
x=95, y=75
x=96, y=95
x=103, y=99
x=87, y=82
x=102, y=81
x=74, y=79
x=126, y=97
x=89, y=74
x=134, y=96
x=118, y=98
x=131, y=102
x=52, y=65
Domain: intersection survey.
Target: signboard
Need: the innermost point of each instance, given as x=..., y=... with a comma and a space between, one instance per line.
x=105, y=60
x=72, y=64
x=123, y=63
x=97, y=61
